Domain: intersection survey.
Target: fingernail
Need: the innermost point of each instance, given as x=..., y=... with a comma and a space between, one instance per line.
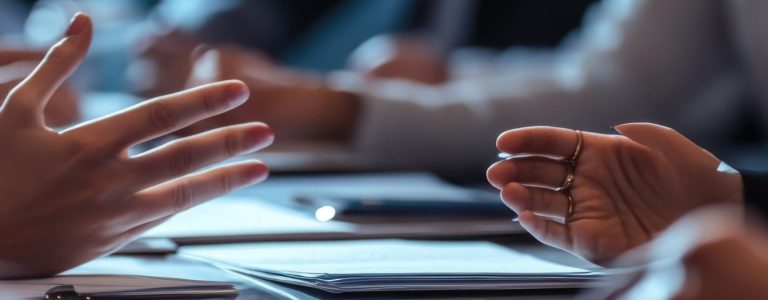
x=256, y=174
x=76, y=24
x=237, y=94
x=259, y=137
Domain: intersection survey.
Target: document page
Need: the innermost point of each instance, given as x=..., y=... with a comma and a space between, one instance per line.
x=233, y=216
x=381, y=257
x=394, y=265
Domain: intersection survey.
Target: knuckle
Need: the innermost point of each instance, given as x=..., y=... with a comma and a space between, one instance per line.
x=231, y=144
x=90, y=151
x=545, y=202
x=182, y=197
x=211, y=102
x=161, y=117
x=530, y=172
x=510, y=171
x=508, y=193
x=102, y=195
x=226, y=183
x=60, y=55
x=181, y=160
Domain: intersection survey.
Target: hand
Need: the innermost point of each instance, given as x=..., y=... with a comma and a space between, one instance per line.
x=68, y=197
x=708, y=254
x=400, y=57
x=163, y=64
x=64, y=107
x=627, y=188
x=298, y=106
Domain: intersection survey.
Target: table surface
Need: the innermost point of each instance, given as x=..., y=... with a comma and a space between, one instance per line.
x=171, y=265
x=252, y=288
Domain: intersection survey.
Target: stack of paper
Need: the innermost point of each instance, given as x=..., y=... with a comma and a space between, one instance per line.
x=394, y=265
x=114, y=286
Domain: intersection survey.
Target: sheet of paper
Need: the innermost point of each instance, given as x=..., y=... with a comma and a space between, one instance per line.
x=380, y=257
x=235, y=216
x=263, y=212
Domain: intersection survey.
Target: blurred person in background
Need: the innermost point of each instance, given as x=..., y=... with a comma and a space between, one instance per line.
x=693, y=65
x=320, y=35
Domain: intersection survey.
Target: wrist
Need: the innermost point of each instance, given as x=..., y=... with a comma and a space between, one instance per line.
x=337, y=114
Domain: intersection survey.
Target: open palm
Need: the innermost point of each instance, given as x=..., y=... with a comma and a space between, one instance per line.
x=70, y=196
x=627, y=187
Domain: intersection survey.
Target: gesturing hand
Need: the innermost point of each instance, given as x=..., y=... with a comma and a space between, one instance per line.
x=68, y=197
x=626, y=187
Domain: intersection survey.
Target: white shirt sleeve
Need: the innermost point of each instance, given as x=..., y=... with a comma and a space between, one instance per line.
x=663, y=61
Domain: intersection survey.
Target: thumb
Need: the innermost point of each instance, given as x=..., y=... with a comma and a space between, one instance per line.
x=668, y=141
x=30, y=97
x=654, y=136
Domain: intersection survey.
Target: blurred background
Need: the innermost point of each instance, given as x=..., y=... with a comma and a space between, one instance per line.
x=146, y=48
x=312, y=35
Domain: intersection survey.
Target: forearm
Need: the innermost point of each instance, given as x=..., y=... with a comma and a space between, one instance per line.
x=591, y=83
x=454, y=126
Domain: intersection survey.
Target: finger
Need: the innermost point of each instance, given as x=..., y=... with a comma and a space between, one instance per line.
x=535, y=171
x=543, y=202
x=671, y=143
x=180, y=194
x=163, y=115
x=546, y=231
x=186, y=155
x=540, y=140
x=63, y=108
x=31, y=95
x=654, y=136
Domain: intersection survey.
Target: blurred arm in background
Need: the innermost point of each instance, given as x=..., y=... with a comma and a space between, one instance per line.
x=177, y=27
x=652, y=60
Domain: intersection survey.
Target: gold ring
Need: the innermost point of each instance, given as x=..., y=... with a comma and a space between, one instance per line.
x=571, y=207
x=576, y=152
x=569, y=178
